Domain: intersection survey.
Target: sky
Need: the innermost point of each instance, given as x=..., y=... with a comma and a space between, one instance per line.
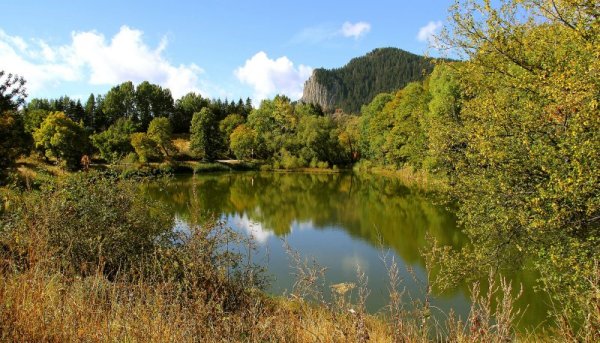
x=218, y=48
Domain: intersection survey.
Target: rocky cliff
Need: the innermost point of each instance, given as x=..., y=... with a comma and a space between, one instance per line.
x=316, y=93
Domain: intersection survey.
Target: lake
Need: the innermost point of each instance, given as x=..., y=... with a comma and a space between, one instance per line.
x=343, y=221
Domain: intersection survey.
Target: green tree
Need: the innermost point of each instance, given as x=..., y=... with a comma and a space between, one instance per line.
x=160, y=131
x=33, y=119
x=227, y=125
x=275, y=123
x=185, y=107
x=528, y=184
x=405, y=142
x=89, y=109
x=120, y=102
x=348, y=130
x=243, y=139
x=146, y=148
x=14, y=140
x=61, y=138
x=152, y=101
x=317, y=139
x=204, y=138
x=115, y=142
x=443, y=123
x=374, y=124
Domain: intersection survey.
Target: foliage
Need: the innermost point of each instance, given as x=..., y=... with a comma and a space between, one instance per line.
x=145, y=147
x=13, y=139
x=152, y=102
x=373, y=126
x=242, y=141
x=61, y=138
x=120, y=102
x=405, y=142
x=33, y=119
x=12, y=91
x=192, y=103
x=442, y=122
x=160, y=132
x=185, y=107
x=115, y=142
x=527, y=180
x=293, y=134
x=227, y=125
x=140, y=104
x=205, y=138
x=348, y=131
x=318, y=139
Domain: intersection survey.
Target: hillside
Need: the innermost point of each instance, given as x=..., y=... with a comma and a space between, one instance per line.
x=357, y=83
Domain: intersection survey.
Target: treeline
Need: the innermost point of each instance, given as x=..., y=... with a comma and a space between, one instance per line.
x=137, y=124
x=128, y=118
x=140, y=104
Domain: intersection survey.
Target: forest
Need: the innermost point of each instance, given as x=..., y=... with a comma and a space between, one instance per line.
x=511, y=128
x=381, y=70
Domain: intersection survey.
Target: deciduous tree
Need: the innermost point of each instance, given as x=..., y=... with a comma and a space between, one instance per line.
x=61, y=138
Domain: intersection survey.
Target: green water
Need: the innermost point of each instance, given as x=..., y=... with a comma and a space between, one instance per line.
x=342, y=221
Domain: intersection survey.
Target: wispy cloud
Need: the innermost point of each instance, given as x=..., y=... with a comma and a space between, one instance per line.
x=355, y=30
x=324, y=32
x=93, y=59
x=427, y=33
x=273, y=76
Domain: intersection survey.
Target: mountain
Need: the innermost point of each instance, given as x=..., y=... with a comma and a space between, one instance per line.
x=357, y=83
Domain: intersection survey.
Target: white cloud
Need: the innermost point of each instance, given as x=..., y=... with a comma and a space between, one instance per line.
x=269, y=77
x=92, y=59
x=427, y=32
x=355, y=30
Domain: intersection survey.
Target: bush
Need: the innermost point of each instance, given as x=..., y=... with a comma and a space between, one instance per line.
x=90, y=222
x=322, y=165
x=289, y=161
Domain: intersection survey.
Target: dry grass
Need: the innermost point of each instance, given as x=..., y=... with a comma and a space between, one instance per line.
x=182, y=144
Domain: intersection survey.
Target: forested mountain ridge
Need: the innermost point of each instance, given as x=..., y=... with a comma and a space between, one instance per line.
x=355, y=84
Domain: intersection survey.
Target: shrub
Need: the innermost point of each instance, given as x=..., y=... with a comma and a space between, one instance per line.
x=89, y=222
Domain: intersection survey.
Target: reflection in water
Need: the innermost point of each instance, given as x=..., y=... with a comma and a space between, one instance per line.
x=341, y=220
x=251, y=228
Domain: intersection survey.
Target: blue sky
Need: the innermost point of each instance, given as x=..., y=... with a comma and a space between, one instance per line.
x=219, y=48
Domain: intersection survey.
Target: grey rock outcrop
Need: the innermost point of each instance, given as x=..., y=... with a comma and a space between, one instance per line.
x=317, y=93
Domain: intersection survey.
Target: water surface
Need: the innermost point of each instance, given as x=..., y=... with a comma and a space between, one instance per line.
x=343, y=221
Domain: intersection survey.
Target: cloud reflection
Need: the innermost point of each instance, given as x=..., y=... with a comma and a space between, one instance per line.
x=252, y=228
